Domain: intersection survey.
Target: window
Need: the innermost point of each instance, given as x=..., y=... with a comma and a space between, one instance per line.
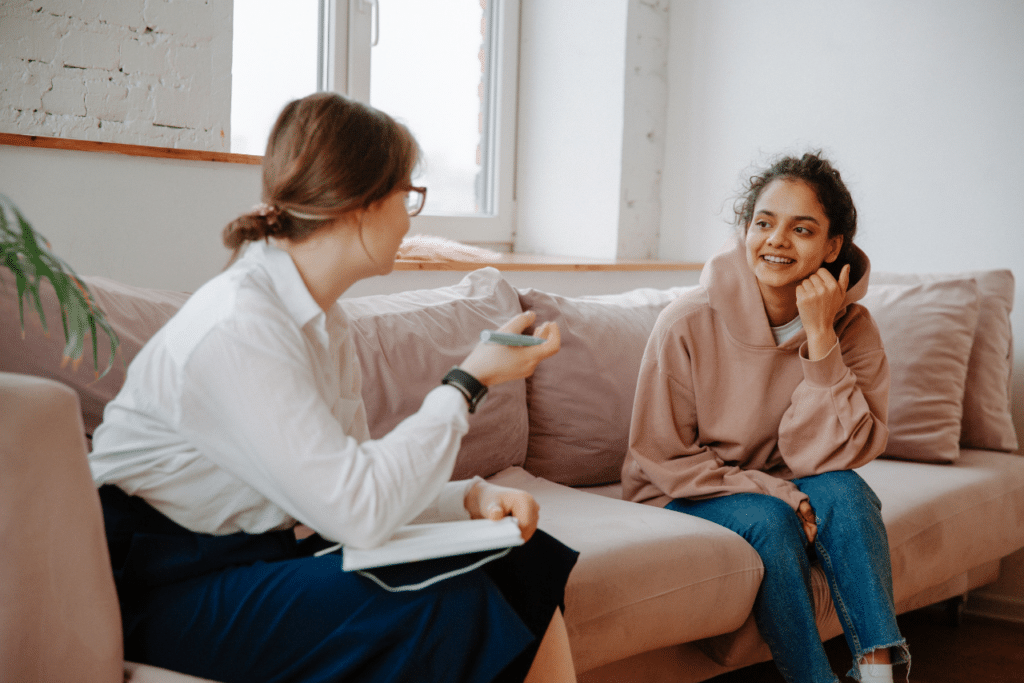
x=265, y=77
x=445, y=68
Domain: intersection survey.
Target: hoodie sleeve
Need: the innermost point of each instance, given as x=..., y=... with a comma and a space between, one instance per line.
x=665, y=457
x=837, y=418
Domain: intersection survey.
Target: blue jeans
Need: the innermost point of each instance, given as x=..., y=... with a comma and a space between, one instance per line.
x=853, y=549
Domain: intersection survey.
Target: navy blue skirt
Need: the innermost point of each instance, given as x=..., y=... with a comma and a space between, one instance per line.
x=262, y=608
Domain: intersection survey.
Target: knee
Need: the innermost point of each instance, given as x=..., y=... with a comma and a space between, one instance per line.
x=844, y=490
x=768, y=523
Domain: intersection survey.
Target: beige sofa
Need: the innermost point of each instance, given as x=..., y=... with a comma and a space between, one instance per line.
x=656, y=595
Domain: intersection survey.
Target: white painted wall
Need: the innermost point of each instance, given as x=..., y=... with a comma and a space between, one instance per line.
x=143, y=72
x=144, y=221
x=569, y=145
x=591, y=121
x=919, y=102
x=645, y=95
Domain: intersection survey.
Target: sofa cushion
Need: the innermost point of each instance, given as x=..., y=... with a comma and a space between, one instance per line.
x=135, y=314
x=987, y=420
x=646, y=577
x=581, y=402
x=407, y=341
x=942, y=521
x=927, y=329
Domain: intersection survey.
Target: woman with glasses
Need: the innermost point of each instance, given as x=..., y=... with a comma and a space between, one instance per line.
x=242, y=419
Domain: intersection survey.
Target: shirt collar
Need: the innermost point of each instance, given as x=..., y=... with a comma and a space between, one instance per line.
x=295, y=297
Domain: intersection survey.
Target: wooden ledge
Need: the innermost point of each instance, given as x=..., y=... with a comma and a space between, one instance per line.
x=536, y=262
x=18, y=140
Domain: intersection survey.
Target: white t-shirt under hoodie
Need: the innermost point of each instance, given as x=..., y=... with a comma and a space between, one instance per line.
x=244, y=413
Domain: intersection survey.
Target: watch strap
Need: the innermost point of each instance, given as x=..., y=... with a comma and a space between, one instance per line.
x=472, y=389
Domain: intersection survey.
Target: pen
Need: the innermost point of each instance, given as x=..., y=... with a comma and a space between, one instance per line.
x=509, y=339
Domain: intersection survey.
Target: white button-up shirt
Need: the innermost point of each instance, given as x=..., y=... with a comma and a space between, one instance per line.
x=244, y=413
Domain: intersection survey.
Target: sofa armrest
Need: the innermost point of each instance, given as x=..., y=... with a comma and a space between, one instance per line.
x=59, y=616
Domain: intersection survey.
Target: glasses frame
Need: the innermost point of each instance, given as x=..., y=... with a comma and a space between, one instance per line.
x=422, y=191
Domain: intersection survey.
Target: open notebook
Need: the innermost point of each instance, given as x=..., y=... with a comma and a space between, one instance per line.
x=415, y=542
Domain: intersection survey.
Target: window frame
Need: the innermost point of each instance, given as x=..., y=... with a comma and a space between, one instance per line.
x=347, y=32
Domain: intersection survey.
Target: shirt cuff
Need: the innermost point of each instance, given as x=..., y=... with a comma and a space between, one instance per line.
x=452, y=503
x=826, y=372
x=447, y=398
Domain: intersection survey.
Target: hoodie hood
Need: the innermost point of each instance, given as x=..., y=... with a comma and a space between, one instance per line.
x=734, y=295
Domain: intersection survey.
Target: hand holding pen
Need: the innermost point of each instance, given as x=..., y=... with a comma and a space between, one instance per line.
x=502, y=357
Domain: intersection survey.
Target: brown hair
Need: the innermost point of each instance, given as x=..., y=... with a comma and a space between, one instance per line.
x=327, y=155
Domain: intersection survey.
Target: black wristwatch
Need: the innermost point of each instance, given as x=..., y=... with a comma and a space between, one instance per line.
x=469, y=385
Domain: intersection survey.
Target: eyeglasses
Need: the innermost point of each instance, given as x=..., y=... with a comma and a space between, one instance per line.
x=415, y=199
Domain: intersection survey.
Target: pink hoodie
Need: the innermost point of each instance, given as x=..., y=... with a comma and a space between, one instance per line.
x=721, y=409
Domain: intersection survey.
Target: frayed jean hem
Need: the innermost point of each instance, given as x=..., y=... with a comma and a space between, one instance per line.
x=900, y=656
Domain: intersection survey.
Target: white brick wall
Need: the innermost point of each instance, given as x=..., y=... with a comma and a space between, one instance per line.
x=146, y=72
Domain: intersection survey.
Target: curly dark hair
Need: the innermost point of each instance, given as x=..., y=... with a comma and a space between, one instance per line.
x=828, y=185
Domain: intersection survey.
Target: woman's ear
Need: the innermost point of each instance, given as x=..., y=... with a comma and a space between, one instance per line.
x=835, y=246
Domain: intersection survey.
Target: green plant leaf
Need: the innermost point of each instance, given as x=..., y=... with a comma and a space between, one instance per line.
x=28, y=256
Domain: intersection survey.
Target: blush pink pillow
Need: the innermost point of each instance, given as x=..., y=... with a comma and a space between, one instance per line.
x=581, y=400
x=927, y=330
x=406, y=342
x=987, y=420
x=135, y=314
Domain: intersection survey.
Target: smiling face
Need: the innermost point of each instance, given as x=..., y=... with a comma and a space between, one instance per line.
x=787, y=239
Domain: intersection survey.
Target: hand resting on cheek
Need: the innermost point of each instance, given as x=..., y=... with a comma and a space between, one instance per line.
x=818, y=300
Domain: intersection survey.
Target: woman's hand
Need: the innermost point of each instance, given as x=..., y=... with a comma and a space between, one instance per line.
x=807, y=517
x=493, y=363
x=818, y=300
x=490, y=501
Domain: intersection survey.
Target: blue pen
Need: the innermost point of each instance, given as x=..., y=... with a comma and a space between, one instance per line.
x=509, y=339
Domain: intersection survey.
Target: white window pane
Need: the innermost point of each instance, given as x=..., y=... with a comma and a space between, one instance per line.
x=426, y=71
x=273, y=61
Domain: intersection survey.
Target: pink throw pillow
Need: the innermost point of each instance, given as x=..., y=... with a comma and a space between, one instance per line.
x=927, y=330
x=581, y=400
x=406, y=342
x=988, y=420
x=135, y=313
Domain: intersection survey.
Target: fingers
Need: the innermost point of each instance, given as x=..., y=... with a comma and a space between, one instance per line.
x=844, y=278
x=819, y=297
x=519, y=322
x=500, y=502
x=524, y=508
x=820, y=280
x=493, y=363
x=548, y=331
x=808, y=520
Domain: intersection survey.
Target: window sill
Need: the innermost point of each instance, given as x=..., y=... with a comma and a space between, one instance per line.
x=535, y=262
x=19, y=140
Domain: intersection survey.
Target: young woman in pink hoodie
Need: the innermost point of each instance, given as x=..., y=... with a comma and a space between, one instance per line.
x=759, y=394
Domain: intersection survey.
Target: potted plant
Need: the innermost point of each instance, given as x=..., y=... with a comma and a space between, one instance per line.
x=28, y=255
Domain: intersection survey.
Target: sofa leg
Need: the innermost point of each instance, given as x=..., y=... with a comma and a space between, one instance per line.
x=954, y=609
